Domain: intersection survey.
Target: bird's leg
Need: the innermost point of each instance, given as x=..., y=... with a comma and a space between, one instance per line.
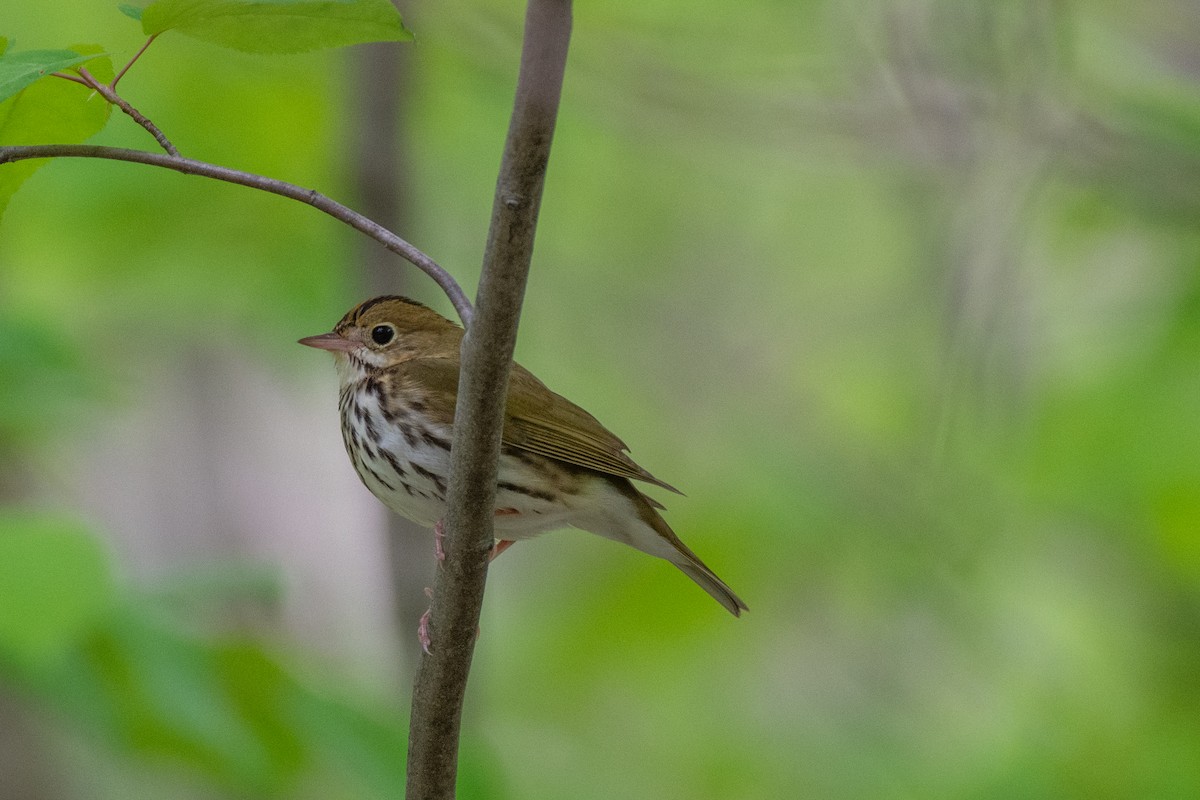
x=439, y=552
x=439, y=533
x=502, y=544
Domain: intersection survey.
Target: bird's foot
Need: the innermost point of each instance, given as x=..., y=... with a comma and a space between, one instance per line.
x=439, y=533
x=423, y=625
x=503, y=544
x=423, y=631
x=439, y=536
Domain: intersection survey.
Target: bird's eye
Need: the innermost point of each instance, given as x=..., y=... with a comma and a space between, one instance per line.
x=382, y=334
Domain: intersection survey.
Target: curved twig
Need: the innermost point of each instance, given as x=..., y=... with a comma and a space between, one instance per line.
x=188, y=166
x=132, y=61
x=66, y=76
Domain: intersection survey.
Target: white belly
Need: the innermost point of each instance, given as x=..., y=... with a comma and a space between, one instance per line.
x=405, y=471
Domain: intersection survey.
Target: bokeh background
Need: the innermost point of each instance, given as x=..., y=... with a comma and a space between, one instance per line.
x=904, y=295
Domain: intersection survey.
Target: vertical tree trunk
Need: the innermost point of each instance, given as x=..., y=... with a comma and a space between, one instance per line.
x=487, y=356
x=380, y=87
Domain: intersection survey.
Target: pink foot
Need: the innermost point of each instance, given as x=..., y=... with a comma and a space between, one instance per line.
x=423, y=631
x=439, y=533
x=503, y=544
x=423, y=626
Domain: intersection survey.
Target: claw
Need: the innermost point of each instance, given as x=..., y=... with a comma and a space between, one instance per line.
x=423, y=625
x=439, y=533
x=423, y=631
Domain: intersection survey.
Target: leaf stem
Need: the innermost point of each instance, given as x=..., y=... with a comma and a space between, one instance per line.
x=188, y=166
x=66, y=76
x=136, y=56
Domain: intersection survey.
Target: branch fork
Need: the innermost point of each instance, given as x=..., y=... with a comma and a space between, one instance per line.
x=109, y=93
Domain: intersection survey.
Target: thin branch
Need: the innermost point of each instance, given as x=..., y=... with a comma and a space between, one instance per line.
x=13, y=153
x=111, y=96
x=66, y=76
x=487, y=356
x=132, y=61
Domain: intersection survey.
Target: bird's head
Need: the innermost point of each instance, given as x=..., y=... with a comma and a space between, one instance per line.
x=387, y=330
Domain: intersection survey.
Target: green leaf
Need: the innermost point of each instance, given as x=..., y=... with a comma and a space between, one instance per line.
x=133, y=12
x=215, y=585
x=55, y=587
x=98, y=63
x=163, y=694
x=50, y=388
x=3, y=44
x=278, y=26
x=228, y=709
x=18, y=70
x=57, y=111
x=360, y=746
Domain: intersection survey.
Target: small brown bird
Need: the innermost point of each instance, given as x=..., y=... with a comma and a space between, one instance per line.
x=398, y=364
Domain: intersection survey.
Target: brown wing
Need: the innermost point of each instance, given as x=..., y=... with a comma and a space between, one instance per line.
x=537, y=419
x=431, y=382
x=549, y=424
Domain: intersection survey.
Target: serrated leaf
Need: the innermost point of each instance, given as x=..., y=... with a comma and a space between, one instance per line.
x=133, y=12
x=55, y=111
x=54, y=586
x=278, y=26
x=18, y=70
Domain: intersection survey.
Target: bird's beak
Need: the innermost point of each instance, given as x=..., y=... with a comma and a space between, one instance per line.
x=333, y=342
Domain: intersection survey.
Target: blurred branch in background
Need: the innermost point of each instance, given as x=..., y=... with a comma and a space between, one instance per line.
x=380, y=88
x=983, y=89
x=29, y=769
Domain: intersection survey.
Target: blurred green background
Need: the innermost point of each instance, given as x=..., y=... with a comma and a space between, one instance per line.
x=904, y=295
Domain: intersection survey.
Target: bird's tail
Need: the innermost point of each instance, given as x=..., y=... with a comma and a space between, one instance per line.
x=709, y=582
x=661, y=541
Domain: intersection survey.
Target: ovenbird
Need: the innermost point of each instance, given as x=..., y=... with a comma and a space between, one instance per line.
x=398, y=364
